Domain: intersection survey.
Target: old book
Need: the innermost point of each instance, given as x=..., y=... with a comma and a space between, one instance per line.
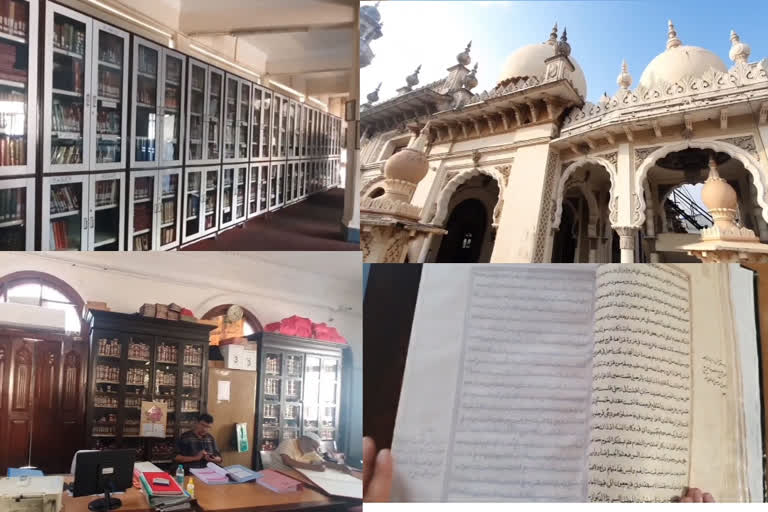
x=618, y=383
x=175, y=307
x=173, y=315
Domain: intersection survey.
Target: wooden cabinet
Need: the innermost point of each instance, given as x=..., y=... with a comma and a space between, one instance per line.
x=300, y=382
x=42, y=406
x=135, y=359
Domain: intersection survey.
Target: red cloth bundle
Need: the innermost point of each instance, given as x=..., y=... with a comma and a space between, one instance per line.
x=305, y=328
x=325, y=332
x=296, y=326
x=273, y=327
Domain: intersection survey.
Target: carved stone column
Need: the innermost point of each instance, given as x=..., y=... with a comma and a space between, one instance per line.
x=626, y=243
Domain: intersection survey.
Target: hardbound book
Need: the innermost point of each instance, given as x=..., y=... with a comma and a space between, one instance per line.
x=612, y=383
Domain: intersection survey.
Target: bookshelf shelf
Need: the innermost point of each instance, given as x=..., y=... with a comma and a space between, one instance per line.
x=13, y=83
x=12, y=223
x=67, y=53
x=64, y=214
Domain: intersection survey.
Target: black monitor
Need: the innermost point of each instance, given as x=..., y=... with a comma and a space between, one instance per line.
x=103, y=472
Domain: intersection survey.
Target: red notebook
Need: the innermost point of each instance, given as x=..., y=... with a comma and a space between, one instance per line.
x=162, y=490
x=278, y=482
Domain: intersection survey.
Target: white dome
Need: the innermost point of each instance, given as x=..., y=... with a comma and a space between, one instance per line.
x=680, y=61
x=529, y=61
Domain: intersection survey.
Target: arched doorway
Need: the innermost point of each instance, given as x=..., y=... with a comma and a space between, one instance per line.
x=245, y=326
x=564, y=244
x=466, y=230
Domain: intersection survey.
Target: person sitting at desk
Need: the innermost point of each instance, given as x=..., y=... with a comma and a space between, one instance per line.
x=306, y=453
x=197, y=447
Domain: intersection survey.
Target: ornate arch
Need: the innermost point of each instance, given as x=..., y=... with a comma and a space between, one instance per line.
x=609, y=167
x=638, y=213
x=592, y=206
x=444, y=196
x=371, y=185
x=221, y=309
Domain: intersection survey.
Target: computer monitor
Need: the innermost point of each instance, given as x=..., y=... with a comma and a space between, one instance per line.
x=104, y=472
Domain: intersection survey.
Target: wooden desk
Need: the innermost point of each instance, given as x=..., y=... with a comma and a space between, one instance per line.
x=133, y=501
x=253, y=497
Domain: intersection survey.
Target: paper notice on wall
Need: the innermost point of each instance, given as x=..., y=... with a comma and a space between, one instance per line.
x=153, y=419
x=223, y=392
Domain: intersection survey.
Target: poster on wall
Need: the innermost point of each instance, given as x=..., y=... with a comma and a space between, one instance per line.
x=153, y=419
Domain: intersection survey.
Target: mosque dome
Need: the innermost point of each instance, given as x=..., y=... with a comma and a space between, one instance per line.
x=679, y=61
x=371, y=12
x=529, y=61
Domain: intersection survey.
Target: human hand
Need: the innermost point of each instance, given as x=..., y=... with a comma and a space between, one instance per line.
x=377, y=472
x=695, y=495
x=201, y=455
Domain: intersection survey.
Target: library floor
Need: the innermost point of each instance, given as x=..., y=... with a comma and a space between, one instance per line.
x=312, y=225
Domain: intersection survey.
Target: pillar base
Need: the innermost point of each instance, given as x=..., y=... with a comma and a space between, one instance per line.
x=350, y=234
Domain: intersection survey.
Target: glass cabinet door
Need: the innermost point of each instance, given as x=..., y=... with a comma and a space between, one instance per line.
x=244, y=121
x=227, y=196
x=271, y=417
x=108, y=388
x=288, y=183
x=172, y=98
x=292, y=394
x=311, y=420
x=263, y=188
x=191, y=384
x=266, y=117
x=296, y=178
x=215, y=114
x=284, y=139
x=146, y=103
x=253, y=190
x=257, y=101
x=65, y=215
x=281, y=185
x=170, y=209
x=17, y=214
x=231, y=105
x=211, y=200
x=106, y=218
x=303, y=131
x=67, y=90
x=275, y=124
x=291, y=140
x=18, y=62
x=110, y=108
x=330, y=371
x=192, y=195
x=240, y=175
x=198, y=73
x=141, y=210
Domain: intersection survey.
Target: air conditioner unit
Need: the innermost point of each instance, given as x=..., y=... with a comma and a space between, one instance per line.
x=34, y=317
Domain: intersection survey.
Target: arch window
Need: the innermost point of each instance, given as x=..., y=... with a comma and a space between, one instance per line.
x=40, y=289
x=250, y=324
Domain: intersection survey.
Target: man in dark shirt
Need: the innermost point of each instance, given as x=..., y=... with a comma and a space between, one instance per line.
x=197, y=447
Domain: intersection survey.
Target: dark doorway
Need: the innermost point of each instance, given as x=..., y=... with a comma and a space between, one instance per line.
x=564, y=244
x=615, y=248
x=466, y=229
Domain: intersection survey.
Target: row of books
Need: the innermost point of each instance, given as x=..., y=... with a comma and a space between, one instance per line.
x=173, y=70
x=168, y=210
x=13, y=150
x=13, y=62
x=12, y=204
x=67, y=118
x=68, y=76
x=145, y=150
x=193, y=206
x=111, y=53
x=106, y=192
x=146, y=93
x=60, y=235
x=108, y=122
x=13, y=18
x=64, y=198
x=13, y=238
x=147, y=61
x=108, y=151
x=142, y=242
x=110, y=83
x=67, y=154
x=171, y=97
x=69, y=38
x=142, y=216
x=168, y=235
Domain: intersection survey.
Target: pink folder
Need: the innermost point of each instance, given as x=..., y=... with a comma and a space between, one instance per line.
x=278, y=482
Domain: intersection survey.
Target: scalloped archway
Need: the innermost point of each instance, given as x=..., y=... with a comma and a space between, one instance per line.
x=444, y=197
x=372, y=185
x=575, y=166
x=739, y=154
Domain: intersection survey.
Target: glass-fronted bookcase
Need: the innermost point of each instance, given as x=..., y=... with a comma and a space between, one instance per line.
x=135, y=359
x=300, y=382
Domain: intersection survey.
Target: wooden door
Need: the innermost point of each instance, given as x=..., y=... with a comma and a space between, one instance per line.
x=68, y=431
x=17, y=370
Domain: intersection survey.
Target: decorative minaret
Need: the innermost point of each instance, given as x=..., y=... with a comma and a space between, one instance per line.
x=373, y=97
x=672, y=40
x=739, y=52
x=370, y=30
x=559, y=66
x=410, y=81
x=457, y=73
x=624, y=80
x=388, y=222
x=726, y=241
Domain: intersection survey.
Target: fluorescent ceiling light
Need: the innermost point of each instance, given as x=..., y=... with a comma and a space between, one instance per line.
x=129, y=17
x=318, y=101
x=222, y=59
x=286, y=88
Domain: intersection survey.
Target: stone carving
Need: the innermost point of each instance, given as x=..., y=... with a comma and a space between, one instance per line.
x=740, y=75
x=497, y=213
x=513, y=86
x=614, y=217
x=746, y=142
x=642, y=153
x=636, y=206
x=388, y=206
x=476, y=156
x=611, y=157
x=626, y=237
x=542, y=227
x=504, y=170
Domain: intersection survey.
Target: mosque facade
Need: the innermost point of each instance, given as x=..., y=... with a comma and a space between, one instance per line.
x=531, y=172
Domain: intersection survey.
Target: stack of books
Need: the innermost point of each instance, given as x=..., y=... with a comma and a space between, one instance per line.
x=167, y=496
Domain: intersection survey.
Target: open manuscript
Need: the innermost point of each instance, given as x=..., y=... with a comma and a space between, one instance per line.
x=580, y=383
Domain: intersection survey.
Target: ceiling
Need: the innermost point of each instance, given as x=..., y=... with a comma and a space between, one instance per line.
x=308, y=45
x=345, y=266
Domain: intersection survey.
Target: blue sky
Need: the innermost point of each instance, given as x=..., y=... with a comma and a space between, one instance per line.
x=601, y=34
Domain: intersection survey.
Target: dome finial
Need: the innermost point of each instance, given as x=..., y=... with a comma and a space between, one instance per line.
x=553, y=36
x=624, y=80
x=562, y=47
x=470, y=81
x=413, y=79
x=672, y=40
x=463, y=58
x=373, y=97
x=739, y=51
